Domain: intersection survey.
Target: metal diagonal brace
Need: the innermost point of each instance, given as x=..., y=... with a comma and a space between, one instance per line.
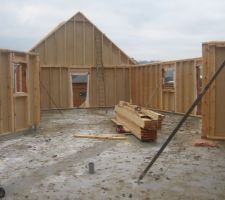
x=195, y=103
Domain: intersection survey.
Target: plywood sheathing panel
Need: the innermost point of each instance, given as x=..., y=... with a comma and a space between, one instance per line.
x=219, y=95
x=185, y=85
x=21, y=111
x=213, y=109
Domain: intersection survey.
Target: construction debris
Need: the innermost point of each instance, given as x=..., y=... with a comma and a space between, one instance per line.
x=204, y=143
x=101, y=136
x=142, y=122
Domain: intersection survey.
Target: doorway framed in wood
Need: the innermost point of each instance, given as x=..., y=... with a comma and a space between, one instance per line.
x=79, y=87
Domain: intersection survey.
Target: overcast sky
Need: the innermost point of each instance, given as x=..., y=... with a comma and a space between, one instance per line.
x=144, y=29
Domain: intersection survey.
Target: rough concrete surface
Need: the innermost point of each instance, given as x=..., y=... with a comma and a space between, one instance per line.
x=52, y=164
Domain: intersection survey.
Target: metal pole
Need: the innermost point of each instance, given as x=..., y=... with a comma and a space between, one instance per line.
x=195, y=103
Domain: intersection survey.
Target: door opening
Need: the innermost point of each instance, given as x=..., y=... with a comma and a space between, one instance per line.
x=79, y=87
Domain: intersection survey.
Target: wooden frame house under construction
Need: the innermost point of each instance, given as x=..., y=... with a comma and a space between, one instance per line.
x=81, y=67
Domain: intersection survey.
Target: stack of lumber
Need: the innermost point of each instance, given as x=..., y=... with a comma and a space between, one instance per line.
x=142, y=122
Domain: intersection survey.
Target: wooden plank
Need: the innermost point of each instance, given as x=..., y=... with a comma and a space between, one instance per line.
x=219, y=94
x=152, y=114
x=11, y=111
x=205, y=102
x=212, y=114
x=101, y=136
x=64, y=40
x=29, y=84
x=6, y=126
x=134, y=118
x=136, y=130
x=119, y=124
x=37, y=101
x=21, y=112
x=1, y=111
x=213, y=104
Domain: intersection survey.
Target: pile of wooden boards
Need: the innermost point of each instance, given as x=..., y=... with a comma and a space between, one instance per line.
x=142, y=122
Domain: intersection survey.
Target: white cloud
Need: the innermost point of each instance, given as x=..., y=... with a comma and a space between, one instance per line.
x=144, y=29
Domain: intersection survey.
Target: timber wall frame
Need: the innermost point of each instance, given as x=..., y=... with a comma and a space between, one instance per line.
x=213, y=108
x=73, y=43
x=56, y=83
x=147, y=85
x=71, y=47
x=19, y=110
x=141, y=84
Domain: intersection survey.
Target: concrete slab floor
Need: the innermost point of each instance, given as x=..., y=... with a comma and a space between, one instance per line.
x=52, y=164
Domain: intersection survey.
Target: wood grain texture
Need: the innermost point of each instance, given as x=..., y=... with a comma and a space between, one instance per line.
x=19, y=110
x=213, y=109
